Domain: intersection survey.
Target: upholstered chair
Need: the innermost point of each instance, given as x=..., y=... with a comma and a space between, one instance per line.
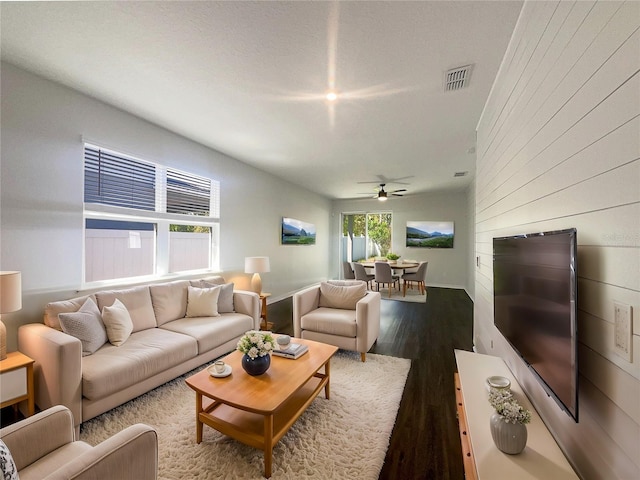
x=340, y=313
x=384, y=276
x=418, y=277
x=361, y=274
x=43, y=446
x=347, y=271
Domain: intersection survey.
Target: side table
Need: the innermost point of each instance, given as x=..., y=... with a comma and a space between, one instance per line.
x=264, y=324
x=16, y=378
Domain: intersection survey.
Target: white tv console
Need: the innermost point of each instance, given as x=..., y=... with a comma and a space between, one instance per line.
x=541, y=458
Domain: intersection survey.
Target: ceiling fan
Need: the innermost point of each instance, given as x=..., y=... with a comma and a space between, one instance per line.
x=382, y=194
x=384, y=180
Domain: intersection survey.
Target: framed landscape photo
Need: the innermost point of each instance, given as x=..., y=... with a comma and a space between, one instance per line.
x=430, y=234
x=297, y=232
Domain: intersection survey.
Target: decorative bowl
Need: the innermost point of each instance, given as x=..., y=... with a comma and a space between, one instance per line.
x=283, y=341
x=499, y=382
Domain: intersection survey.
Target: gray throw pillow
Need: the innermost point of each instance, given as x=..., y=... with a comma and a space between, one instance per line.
x=86, y=325
x=225, y=300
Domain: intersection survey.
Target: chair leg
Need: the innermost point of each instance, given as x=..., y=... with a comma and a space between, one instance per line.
x=363, y=356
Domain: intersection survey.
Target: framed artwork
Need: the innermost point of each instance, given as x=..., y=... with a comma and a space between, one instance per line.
x=297, y=232
x=430, y=234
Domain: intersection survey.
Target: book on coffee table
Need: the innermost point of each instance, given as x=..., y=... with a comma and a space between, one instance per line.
x=293, y=351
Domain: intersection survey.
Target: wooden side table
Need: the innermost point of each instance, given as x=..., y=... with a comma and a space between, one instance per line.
x=16, y=380
x=264, y=324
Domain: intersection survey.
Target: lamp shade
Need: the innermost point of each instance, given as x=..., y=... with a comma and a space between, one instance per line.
x=256, y=265
x=10, y=292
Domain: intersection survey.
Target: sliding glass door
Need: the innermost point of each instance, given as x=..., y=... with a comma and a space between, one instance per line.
x=365, y=235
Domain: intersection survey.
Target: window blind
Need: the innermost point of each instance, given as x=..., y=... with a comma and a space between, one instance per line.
x=188, y=194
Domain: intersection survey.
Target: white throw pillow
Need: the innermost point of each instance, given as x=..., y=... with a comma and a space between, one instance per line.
x=86, y=325
x=225, y=299
x=203, y=302
x=7, y=465
x=341, y=296
x=118, y=322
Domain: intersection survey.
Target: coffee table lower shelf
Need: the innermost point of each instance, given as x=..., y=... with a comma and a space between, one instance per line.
x=258, y=429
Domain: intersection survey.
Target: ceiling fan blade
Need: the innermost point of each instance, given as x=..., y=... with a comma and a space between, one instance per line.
x=397, y=195
x=401, y=190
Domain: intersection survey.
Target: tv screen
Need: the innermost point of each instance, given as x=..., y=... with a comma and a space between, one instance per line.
x=535, y=307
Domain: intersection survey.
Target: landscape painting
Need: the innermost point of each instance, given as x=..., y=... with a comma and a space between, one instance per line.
x=297, y=232
x=430, y=234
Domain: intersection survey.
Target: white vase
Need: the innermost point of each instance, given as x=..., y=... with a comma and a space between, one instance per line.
x=510, y=438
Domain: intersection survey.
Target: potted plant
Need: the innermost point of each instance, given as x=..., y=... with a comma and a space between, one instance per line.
x=508, y=422
x=256, y=347
x=392, y=256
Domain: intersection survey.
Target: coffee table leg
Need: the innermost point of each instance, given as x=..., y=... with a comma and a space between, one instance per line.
x=198, y=422
x=327, y=372
x=268, y=445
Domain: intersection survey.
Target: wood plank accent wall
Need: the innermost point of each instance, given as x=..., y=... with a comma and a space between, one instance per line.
x=558, y=147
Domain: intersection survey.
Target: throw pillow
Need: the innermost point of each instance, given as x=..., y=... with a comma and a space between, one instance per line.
x=339, y=296
x=86, y=325
x=7, y=465
x=202, y=302
x=118, y=322
x=225, y=299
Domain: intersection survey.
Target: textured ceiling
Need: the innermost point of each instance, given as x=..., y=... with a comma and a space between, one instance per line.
x=249, y=78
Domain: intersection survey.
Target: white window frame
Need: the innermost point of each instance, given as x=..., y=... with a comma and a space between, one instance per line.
x=159, y=217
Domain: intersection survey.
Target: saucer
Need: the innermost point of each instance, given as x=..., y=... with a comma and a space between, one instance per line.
x=225, y=373
x=498, y=382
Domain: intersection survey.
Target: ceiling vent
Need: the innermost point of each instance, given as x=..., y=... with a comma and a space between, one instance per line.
x=460, y=174
x=457, y=78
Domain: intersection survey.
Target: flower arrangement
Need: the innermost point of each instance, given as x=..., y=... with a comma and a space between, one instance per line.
x=508, y=407
x=256, y=344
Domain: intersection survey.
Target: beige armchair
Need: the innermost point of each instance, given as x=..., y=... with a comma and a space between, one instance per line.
x=340, y=313
x=43, y=447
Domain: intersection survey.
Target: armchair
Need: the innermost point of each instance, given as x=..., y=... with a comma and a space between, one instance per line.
x=44, y=447
x=340, y=313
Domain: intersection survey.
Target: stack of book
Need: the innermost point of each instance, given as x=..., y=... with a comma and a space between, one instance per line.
x=293, y=351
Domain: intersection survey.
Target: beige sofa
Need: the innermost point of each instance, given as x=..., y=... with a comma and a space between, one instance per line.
x=163, y=344
x=44, y=447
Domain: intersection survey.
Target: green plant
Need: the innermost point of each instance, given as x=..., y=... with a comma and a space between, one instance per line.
x=256, y=344
x=392, y=256
x=508, y=407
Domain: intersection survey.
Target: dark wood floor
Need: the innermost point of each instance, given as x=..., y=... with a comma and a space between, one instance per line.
x=425, y=443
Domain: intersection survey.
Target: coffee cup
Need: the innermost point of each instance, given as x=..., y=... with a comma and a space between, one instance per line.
x=219, y=366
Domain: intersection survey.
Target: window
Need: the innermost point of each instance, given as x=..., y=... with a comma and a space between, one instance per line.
x=144, y=219
x=365, y=235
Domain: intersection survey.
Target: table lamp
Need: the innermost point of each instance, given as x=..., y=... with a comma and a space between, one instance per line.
x=10, y=301
x=256, y=265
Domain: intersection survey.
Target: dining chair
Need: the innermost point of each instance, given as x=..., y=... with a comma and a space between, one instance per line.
x=384, y=276
x=347, y=271
x=419, y=277
x=361, y=274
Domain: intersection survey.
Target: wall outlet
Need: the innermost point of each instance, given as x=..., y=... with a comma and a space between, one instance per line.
x=622, y=330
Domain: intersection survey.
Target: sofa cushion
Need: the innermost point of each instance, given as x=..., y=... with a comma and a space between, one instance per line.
x=341, y=296
x=202, y=302
x=212, y=332
x=86, y=325
x=53, y=309
x=225, y=299
x=169, y=300
x=138, y=303
x=145, y=354
x=118, y=323
x=54, y=460
x=332, y=321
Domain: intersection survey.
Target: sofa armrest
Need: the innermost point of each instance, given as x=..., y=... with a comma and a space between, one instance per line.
x=304, y=301
x=368, y=320
x=131, y=454
x=37, y=436
x=57, y=369
x=248, y=303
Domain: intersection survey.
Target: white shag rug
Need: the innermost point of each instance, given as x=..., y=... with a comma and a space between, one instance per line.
x=344, y=437
x=413, y=295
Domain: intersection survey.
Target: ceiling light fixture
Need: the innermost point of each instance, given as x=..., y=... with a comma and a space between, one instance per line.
x=331, y=96
x=382, y=195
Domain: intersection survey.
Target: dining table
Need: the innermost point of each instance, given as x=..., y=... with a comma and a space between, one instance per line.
x=395, y=265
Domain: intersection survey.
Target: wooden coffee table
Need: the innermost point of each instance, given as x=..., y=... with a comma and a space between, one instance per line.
x=258, y=411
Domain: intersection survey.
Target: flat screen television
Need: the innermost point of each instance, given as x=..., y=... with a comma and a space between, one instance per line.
x=535, y=307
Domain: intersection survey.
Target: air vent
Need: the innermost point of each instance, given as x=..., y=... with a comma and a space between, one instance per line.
x=457, y=78
x=460, y=174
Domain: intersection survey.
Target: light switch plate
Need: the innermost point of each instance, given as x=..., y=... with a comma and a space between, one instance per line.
x=622, y=330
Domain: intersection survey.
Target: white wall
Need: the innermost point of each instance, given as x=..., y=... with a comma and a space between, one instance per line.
x=558, y=147
x=41, y=194
x=448, y=267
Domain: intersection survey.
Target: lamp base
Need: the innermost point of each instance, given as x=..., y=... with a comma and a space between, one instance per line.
x=3, y=341
x=256, y=283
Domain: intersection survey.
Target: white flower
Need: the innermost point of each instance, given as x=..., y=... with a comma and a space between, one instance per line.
x=506, y=405
x=256, y=344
